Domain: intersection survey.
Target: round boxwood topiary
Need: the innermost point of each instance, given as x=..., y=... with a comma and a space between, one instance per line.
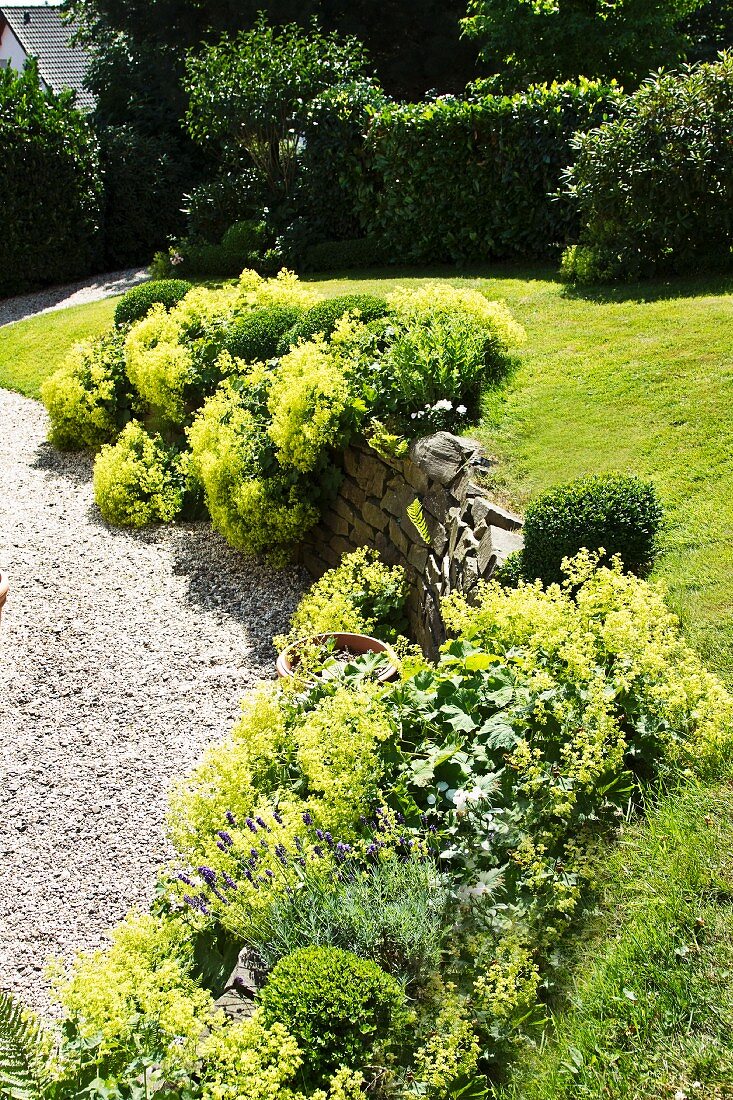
x=619, y=512
x=334, y=1003
x=136, y=303
x=324, y=316
x=256, y=336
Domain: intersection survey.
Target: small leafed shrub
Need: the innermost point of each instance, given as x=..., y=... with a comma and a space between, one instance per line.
x=323, y=317
x=136, y=303
x=335, y=1004
x=344, y=255
x=256, y=337
x=139, y=479
x=617, y=512
x=88, y=398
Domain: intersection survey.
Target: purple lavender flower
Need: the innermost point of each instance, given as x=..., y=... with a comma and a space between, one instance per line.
x=307, y=818
x=343, y=848
x=229, y=881
x=221, y=847
x=185, y=879
x=230, y=819
x=250, y=824
x=299, y=844
x=281, y=853
x=225, y=838
x=301, y=861
x=277, y=817
x=372, y=849
x=328, y=839
x=248, y=874
x=318, y=851
x=319, y=834
x=207, y=875
x=269, y=873
x=262, y=823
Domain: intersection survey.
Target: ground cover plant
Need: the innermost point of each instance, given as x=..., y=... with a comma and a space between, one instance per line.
x=245, y=394
x=402, y=863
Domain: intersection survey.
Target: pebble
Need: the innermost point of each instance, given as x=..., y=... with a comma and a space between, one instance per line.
x=122, y=654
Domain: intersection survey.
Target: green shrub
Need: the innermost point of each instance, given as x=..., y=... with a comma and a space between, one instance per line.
x=50, y=185
x=88, y=398
x=256, y=337
x=451, y=180
x=135, y=304
x=618, y=512
x=361, y=595
x=344, y=255
x=335, y=1004
x=652, y=189
x=255, y=506
x=245, y=244
x=323, y=317
x=139, y=480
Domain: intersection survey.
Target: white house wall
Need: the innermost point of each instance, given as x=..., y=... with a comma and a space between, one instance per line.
x=11, y=50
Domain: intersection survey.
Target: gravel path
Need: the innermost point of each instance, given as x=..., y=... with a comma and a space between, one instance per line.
x=122, y=654
x=73, y=294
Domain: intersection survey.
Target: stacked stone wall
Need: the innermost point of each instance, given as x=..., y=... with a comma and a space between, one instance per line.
x=470, y=535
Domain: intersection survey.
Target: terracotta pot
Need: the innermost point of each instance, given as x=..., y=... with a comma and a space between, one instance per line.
x=355, y=643
x=3, y=591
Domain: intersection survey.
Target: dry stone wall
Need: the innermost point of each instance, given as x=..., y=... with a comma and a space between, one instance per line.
x=470, y=535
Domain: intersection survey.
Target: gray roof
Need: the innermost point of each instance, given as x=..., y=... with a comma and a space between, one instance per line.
x=43, y=35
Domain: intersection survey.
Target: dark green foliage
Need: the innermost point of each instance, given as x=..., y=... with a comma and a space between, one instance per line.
x=334, y=1003
x=467, y=180
x=510, y=573
x=344, y=255
x=136, y=304
x=255, y=337
x=619, y=512
x=621, y=39
x=22, y=1070
x=212, y=207
x=654, y=188
x=244, y=244
x=145, y=176
x=324, y=316
x=50, y=187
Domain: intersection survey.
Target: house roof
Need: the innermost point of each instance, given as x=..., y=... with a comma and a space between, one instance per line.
x=43, y=35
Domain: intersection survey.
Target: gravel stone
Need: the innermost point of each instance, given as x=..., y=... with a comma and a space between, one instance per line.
x=122, y=655
x=73, y=294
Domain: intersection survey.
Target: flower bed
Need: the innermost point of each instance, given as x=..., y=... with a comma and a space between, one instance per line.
x=239, y=400
x=398, y=864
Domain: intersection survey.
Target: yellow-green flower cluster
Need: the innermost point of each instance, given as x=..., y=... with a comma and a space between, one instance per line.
x=451, y=1051
x=440, y=298
x=81, y=396
x=138, y=480
x=138, y=986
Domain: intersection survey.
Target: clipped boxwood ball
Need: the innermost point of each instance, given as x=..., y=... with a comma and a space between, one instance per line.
x=324, y=316
x=619, y=512
x=136, y=303
x=334, y=1003
x=255, y=337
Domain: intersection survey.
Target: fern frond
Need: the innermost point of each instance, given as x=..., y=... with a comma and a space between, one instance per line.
x=22, y=1076
x=416, y=514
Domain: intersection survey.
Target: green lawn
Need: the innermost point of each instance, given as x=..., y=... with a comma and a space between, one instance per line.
x=31, y=350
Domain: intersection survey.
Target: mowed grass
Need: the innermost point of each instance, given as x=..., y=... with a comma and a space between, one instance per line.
x=31, y=350
x=648, y=1012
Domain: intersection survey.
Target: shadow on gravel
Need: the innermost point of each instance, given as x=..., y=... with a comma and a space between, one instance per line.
x=73, y=466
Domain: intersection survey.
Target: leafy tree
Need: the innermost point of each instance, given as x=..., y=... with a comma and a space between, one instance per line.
x=247, y=95
x=538, y=40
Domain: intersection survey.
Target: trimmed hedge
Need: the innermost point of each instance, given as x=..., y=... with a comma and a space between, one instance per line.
x=618, y=512
x=136, y=303
x=50, y=186
x=453, y=180
x=256, y=337
x=324, y=316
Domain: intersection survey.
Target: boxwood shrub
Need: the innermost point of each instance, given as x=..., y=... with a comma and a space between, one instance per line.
x=324, y=316
x=618, y=512
x=255, y=337
x=334, y=1003
x=136, y=303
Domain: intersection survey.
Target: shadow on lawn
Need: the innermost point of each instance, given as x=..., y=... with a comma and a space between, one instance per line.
x=654, y=290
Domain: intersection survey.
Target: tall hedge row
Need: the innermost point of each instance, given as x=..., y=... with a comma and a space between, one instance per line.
x=460, y=180
x=50, y=186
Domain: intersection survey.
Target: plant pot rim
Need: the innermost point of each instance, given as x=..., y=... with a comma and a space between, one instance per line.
x=365, y=642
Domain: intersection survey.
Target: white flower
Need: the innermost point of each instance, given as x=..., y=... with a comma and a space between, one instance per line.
x=461, y=410
x=443, y=404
